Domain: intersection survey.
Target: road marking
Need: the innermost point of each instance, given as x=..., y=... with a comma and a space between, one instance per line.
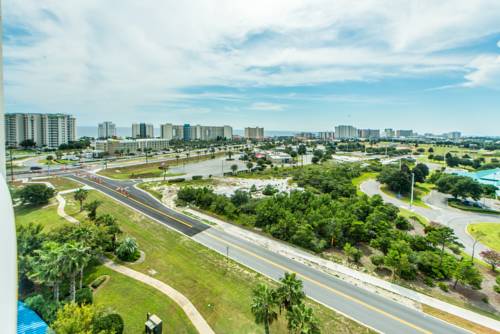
x=145, y=205
x=353, y=299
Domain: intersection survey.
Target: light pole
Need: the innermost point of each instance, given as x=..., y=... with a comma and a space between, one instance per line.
x=412, y=185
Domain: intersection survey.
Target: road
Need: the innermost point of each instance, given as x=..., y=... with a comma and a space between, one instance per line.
x=440, y=212
x=373, y=310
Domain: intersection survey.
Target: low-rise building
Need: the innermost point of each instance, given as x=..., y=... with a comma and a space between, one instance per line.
x=126, y=146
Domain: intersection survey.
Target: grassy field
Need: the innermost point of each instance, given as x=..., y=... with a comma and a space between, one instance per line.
x=133, y=299
x=420, y=192
x=362, y=178
x=46, y=215
x=457, y=204
x=220, y=290
x=491, y=231
x=61, y=183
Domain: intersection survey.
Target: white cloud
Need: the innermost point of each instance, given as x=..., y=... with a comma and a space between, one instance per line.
x=485, y=71
x=92, y=55
x=266, y=106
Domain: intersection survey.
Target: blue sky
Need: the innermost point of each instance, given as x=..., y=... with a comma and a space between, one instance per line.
x=285, y=65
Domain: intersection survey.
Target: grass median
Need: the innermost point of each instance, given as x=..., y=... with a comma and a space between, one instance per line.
x=490, y=234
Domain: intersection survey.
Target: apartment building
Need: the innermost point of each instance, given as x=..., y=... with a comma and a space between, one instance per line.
x=326, y=135
x=404, y=133
x=346, y=132
x=254, y=133
x=126, y=146
x=46, y=130
x=142, y=130
x=106, y=130
x=195, y=132
x=369, y=133
x=389, y=133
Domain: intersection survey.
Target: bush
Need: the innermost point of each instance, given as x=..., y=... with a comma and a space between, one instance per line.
x=98, y=281
x=35, y=194
x=46, y=309
x=443, y=286
x=429, y=282
x=128, y=250
x=197, y=177
x=403, y=224
x=84, y=296
x=269, y=190
x=112, y=322
x=177, y=180
x=377, y=260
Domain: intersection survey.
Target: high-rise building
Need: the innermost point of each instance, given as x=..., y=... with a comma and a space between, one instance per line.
x=389, y=133
x=453, y=135
x=404, y=133
x=369, y=133
x=346, y=132
x=326, y=135
x=50, y=130
x=195, y=132
x=254, y=133
x=106, y=130
x=305, y=135
x=142, y=130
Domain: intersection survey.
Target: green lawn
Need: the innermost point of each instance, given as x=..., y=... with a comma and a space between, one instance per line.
x=362, y=178
x=133, y=299
x=491, y=231
x=45, y=215
x=221, y=291
x=413, y=215
x=420, y=192
x=61, y=183
x=457, y=204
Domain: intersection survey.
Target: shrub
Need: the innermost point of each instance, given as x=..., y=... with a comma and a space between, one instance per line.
x=197, y=177
x=443, y=286
x=269, y=190
x=177, y=180
x=46, y=309
x=36, y=194
x=112, y=322
x=128, y=250
x=403, y=223
x=97, y=282
x=84, y=296
x=352, y=252
x=377, y=260
x=429, y=282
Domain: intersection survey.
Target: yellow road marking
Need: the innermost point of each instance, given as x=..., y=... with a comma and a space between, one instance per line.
x=145, y=205
x=373, y=308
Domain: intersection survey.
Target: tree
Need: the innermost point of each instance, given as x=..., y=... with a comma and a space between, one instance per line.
x=397, y=180
x=421, y=171
x=467, y=274
x=92, y=209
x=74, y=258
x=109, y=223
x=249, y=165
x=36, y=194
x=301, y=320
x=234, y=168
x=74, y=318
x=491, y=257
x=441, y=235
x=81, y=195
x=48, y=267
x=399, y=258
x=290, y=292
x=264, y=306
x=352, y=252
x=27, y=143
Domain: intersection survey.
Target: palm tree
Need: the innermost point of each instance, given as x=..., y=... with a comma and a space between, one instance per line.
x=73, y=258
x=264, y=306
x=301, y=320
x=92, y=209
x=290, y=292
x=47, y=267
x=128, y=247
x=80, y=196
x=112, y=228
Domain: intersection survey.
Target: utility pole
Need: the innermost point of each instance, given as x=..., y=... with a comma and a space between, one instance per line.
x=412, y=185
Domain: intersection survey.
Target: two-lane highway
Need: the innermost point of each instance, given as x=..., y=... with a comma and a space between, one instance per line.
x=373, y=310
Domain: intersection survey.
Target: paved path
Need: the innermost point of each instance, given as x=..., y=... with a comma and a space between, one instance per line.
x=192, y=313
x=440, y=212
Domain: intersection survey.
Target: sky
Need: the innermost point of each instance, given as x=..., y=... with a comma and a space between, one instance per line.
x=432, y=66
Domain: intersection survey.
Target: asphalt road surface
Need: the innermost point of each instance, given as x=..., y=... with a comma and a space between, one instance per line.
x=373, y=310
